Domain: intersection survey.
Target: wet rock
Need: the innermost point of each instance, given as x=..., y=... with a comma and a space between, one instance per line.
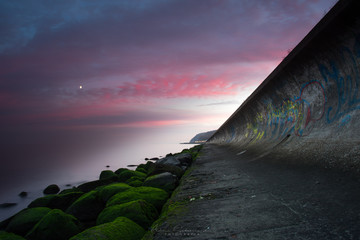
x=165, y=181
x=108, y=191
x=125, y=175
x=156, y=168
x=51, y=189
x=7, y=205
x=23, y=194
x=171, y=160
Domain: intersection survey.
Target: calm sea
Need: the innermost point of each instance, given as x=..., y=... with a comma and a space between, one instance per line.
x=31, y=166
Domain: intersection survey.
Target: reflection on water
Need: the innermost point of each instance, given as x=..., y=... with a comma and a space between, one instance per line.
x=69, y=160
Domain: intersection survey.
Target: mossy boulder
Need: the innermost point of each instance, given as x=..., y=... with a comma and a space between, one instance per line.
x=156, y=168
x=71, y=190
x=139, y=211
x=155, y=196
x=87, y=207
x=89, y=186
x=143, y=170
x=107, y=174
x=125, y=175
x=10, y=236
x=26, y=219
x=61, y=201
x=56, y=225
x=120, y=170
x=122, y=228
x=108, y=191
x=165, y=181
x=51, y=189
x=136, y=183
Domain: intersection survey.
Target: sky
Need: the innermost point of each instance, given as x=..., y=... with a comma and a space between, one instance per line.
x=85, y=65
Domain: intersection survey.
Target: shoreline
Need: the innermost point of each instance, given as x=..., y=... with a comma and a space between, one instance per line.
x=139, y=179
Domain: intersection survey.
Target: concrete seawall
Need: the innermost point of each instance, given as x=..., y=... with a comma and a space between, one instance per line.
x=308, y=109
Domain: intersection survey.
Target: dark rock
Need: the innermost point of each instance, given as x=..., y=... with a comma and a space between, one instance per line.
x=156, y=168
x=23, y=194
x=61, y=201
x=107, y=174
x=125, y=175
x=68, y=185
x=7, y=205
x=132, y=165
x=51, y=189
x=146, y=159
x=185, y=159
x=89, y=186
x=139, y=211
x=87, y=207
x=107, y=166
x=26, y=219
x=56, y=225
x=155, y=196
x=165, y=181
x=154, y=158
x=171, y=160
x=120, y=170
x=9, y=236
x=121, y=228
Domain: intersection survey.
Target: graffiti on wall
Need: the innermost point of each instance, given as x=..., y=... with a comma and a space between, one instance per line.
x=331, y=98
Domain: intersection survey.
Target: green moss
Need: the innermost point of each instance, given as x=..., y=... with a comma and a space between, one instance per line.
x=155, y=196
x=122, y=228
x=61, y=201
x=143, y=170
x=56, y=225
x=125, y=175
x=120, y=170
x=140, y=211
x=107, y=174
x=70, y=190
x=108, y=191
x=136, y=183
x=9, y=236
x=87, y=207
x=25, y=220
x=89, y=186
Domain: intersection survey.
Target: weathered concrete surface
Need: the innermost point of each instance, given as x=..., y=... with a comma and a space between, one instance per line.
x=308, y=109
x=228, y=195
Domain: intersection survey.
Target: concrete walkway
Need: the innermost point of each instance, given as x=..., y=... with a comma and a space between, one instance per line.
x=229, y=195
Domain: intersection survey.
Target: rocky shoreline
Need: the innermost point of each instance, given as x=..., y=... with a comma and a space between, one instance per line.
x=119, y=205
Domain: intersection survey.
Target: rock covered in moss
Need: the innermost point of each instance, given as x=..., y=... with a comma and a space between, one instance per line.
x=56, y=225
x=26, y=219
x=110, y=190
x=136, y=183
x=89, y=186
x=87, y=207
x=155, y=196
x=10, y=236
x=156, y=168
x=122, y=228
x=51, y=189
x=139, y=211
x=107, y=174
x=165, y=181
x=125, y=175
x=61, y=201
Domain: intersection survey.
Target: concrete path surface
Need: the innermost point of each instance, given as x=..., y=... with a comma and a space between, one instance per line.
x=231, y=195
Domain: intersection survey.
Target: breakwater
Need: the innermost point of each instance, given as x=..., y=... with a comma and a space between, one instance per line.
x=308, y=108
